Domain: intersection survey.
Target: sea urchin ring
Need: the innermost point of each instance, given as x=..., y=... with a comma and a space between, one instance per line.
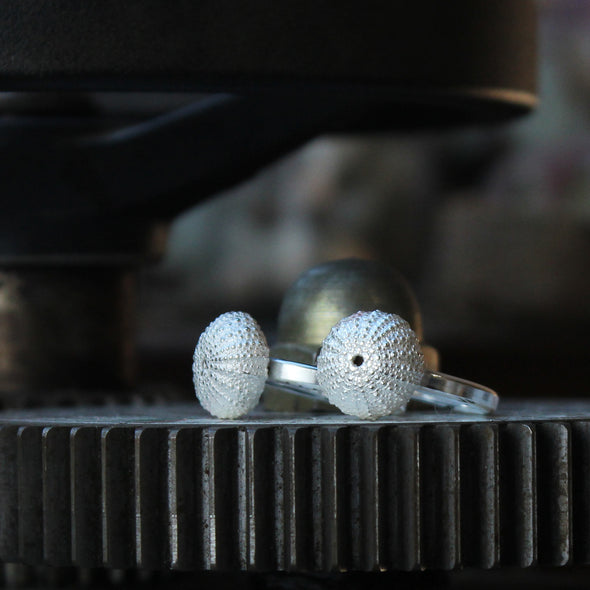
x=370, y=365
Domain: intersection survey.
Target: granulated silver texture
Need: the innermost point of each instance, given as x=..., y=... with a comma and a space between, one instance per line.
x=230, y=365
x=369, y=364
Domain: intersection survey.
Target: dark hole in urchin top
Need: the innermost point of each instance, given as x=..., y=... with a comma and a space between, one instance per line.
x=358, y=360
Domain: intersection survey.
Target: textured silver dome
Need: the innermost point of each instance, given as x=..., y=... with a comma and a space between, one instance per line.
x=369, y=364
x=230, y=365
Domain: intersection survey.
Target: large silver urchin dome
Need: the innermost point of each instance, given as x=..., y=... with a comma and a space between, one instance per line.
x=369, y=364
x=230, y=365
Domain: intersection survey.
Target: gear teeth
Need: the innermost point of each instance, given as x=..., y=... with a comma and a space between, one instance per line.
x=440, y=545
x=186, y=499
x=118, y=511
x=30, y=500
x=85, y=474
x=480, y=526
x=9, y=533
x=518, y=491
x=57, y=517
x=151, y=487
x=400, y=498
x=296, y=498
x=554, y=495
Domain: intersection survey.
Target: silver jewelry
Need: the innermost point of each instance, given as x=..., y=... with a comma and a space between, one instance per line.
x=230, y=365
x=370, y=365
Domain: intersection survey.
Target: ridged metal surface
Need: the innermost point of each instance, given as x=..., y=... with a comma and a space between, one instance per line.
x=172, y=489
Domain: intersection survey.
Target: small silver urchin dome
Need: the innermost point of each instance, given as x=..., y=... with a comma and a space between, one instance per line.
x=230, y=365
x=369, y=364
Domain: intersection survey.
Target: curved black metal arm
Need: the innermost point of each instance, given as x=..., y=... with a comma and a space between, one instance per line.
x=66, y=180
x=161, y=166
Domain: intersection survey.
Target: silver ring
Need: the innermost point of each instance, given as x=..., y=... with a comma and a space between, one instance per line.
x=436, y=389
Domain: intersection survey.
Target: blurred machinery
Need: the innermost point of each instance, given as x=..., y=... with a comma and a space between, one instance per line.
x=89, y=182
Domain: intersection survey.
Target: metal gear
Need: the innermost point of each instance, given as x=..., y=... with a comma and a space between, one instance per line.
x=165, y=487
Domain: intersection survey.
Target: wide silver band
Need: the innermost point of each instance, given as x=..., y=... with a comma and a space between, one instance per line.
x=436, y=389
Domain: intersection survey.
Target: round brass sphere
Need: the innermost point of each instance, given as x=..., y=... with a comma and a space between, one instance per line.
x=325, y=294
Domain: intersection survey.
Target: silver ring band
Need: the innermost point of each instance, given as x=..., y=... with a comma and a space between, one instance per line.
x=436, y=389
